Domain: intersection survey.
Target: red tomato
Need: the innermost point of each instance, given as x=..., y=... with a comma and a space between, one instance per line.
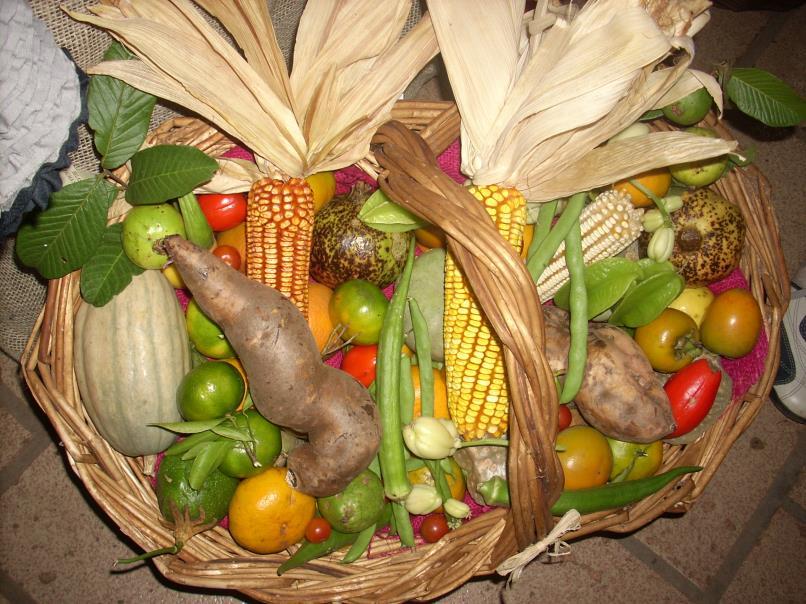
x=670, y=342
x=318, y=530
x=434, y=527
x=691, y=392
x=564, y=418
x=223, y=210
x=732, y=323
x=360, y=362
x=229, y=255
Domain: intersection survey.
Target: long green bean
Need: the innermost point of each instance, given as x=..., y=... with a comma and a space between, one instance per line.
x=578, y=348
x=551, y=242
x=406, y=391
x=545, y=216
x=422, y=342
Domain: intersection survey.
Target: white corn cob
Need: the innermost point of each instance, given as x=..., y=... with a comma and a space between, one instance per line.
x=609, y=224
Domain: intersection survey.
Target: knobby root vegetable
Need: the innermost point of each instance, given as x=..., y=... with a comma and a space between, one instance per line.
x=289, y=384
x=620, y=395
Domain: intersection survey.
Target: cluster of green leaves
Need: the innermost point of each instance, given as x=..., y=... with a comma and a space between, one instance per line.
x=72, y=232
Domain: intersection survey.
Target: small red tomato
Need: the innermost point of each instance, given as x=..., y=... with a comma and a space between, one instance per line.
x=229, y=255
x=223, y=210
x=692, y=392
x=360, y=363
x=564, y=417
x=434, y=527
x=318, y=530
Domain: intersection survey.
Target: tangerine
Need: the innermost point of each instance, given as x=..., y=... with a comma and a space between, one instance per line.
x=657, y=181
x=585, y=457
x=440, y=393
x=319, y=320
x=267, y=515
x=323, y=187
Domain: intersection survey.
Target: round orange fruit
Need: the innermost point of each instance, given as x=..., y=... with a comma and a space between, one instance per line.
x=657, y=181
x=319, y=314
x=267, y=515
x=440, y=393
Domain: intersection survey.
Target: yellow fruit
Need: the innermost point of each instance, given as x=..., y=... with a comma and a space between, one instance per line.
x=267, y=515
x=528, y=234
x=658, y=181
x=319, y=314
x=323, y=185
x=430, y=236
x=455, y=479
x=171, y=273
x=440, y=393
x=694, y=301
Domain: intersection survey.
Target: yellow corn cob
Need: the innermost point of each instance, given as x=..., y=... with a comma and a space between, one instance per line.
x=609, y=225
x=477, y=391
x=279, y=226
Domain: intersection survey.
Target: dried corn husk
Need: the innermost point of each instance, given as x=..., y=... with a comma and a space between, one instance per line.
x=538, y=96
x=350, y=66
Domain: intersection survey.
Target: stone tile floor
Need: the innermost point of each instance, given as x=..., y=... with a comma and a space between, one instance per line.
x=744, y=540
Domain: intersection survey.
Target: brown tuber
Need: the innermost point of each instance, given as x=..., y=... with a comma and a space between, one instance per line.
x=289, y=383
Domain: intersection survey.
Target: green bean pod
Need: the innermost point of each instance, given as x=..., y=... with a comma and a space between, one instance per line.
x=422, y=342
x=392, y=449
x=578, y=347
x=617, y=494
x=545, y=216
x=645, y=301
x=311, y=551
x=544, y=253
x=406, y=391
x=365, y=537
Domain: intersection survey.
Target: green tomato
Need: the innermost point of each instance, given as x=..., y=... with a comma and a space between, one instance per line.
x=359, y=306
x=632, y=461
x=690, y=109
x=144, y=226
x=703, y=172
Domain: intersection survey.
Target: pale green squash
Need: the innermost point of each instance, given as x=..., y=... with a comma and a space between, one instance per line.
x=130, y=356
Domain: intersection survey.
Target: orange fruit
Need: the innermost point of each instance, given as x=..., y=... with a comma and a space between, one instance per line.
x=440, y=393
x=236, y=237
x=455, y=479
x=237, y=364
x=319, y=313
x=323, y=186
x=210, y=390
x=585, y=457
x=658, y=181
x=430, y=236
x=267, y=515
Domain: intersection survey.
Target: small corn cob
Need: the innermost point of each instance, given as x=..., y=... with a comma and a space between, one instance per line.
x=609, y=224
x=279, y=226
x=477, y=391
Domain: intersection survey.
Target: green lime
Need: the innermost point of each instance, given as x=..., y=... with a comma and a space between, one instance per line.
x=690, y=109
x=359, y=307
x=210, y=390
x=206, y=335
x=358, y=506
x=252, y=457
x=174, y=491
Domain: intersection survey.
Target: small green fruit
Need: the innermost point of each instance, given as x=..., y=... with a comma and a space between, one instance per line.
x=703, y=172
x=358, y=506
x=690, y=109
x=144, y=226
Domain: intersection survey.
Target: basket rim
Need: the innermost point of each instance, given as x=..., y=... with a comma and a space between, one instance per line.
x=120, y=488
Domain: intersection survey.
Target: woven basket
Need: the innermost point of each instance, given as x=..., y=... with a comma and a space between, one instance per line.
x=121, y=485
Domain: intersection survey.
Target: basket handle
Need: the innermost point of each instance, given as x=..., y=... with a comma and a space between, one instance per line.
x=411, y=176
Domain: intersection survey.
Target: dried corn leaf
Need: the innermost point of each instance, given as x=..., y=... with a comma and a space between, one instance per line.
x=577, y=80
x=350, y=67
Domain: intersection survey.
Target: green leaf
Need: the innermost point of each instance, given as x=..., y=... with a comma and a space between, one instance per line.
x=764, y=97
x=109, y=270
x=190, y=427
x=232, y=433
x=62, y=238
x=381, y=213
x=207, y=461
x=119, y=114
x=164, y=172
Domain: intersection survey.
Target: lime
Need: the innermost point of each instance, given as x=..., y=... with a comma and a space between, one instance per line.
x=263, y=449
x=358, y=506
x=174, y=492
x=359, y=307
x=210, y=390
x=206, y=335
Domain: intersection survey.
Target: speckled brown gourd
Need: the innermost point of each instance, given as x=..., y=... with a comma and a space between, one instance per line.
x=345, y=248
x=620, y=395
x=709, y=235
x=289, y=383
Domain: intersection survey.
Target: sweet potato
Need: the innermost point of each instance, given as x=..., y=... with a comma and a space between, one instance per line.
x=289, y=383
x=620, y=395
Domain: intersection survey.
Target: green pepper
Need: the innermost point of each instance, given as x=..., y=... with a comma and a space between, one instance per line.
x=494, y=491
x=617, y=494
x=645, y=301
